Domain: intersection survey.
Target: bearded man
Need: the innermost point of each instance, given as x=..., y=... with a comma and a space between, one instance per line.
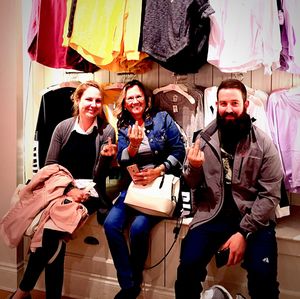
x=235, y=173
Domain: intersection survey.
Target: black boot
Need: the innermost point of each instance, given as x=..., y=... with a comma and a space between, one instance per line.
x=12, y=295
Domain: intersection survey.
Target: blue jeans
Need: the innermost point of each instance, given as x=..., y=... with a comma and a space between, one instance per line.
x=129, y=262
x=202, y=242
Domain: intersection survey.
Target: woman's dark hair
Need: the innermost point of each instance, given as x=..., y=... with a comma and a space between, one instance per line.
x=233, y=83
x=124, y=117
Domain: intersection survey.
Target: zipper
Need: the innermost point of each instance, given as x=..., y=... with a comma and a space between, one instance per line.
x=240, y=169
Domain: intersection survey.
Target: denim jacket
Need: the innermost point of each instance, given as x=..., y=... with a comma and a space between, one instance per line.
x=165, y=141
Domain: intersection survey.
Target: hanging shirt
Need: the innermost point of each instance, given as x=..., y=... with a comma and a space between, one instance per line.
x=249, y=44
x=283, y=110
x=176, y=34
x=290, y=36
x=189, y=116
x=106, y=33
x=45, y=37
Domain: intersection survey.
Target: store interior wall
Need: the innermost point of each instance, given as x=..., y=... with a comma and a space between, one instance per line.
x=20, y=84
x=11, y=124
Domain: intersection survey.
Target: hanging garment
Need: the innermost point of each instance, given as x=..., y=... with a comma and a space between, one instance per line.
x=187, y=114
x=56, y=105
x=175, y=33
x=283, y=110
x=252, y=43
x=111, y=94
x=45, y=37
x=290, y=36
x=111, y=34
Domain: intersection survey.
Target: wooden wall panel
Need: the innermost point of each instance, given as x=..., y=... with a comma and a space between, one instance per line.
x=281, y=79
x=204, y=77
x=296, y=80
x=150, y=79
x=102, y=76
x=208, y=75
x=158, y=76
x=165, y=77
x=246, y=78
x=218, y=76
x=260, y=80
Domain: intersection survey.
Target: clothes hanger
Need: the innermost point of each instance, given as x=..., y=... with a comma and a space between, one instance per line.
x=73, y=84
x=69, y=84
x=178, y=87
x=250, y=90
x=182, y=79
x=126, y=76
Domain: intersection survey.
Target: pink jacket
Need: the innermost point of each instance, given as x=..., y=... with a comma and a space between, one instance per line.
x=62, y=214
x=44, y=192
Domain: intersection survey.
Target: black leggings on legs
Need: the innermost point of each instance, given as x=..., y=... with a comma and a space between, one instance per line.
x=38, y=261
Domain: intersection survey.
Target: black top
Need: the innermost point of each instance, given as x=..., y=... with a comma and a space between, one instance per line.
x=79, y=155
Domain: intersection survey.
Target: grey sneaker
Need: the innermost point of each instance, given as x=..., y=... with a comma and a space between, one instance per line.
x=216, y=292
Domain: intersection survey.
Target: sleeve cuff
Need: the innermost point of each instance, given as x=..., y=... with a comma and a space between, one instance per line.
x=244, y=233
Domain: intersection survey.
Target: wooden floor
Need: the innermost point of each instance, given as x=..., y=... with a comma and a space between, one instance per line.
x=34, y=294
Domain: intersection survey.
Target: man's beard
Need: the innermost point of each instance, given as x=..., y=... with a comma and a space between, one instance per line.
x=232, y=130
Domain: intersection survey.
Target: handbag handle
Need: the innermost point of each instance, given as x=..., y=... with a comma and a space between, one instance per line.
x=162, y=182
x=173, y=197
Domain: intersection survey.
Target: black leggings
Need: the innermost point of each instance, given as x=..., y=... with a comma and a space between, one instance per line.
x=38, y=261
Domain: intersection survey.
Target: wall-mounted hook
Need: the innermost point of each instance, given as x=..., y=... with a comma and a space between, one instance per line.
x=179, y=78
x=127, y=76
x=238, y=76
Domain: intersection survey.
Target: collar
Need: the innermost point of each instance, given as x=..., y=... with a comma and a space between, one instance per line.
x=79, y=130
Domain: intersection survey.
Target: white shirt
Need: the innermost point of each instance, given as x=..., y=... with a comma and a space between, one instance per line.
x=79, y=130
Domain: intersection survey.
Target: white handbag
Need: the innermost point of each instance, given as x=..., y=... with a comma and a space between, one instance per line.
x=159, y=198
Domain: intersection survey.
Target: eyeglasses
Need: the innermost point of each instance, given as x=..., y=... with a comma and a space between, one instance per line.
x=139, y=98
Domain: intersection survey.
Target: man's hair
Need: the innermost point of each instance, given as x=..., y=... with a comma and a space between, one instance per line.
x=233, y=83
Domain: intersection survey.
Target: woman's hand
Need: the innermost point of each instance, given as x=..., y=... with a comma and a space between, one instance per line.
x=146, y=176
x=78, y=195
x=109, y=149
x=135, y=135
x=195, y=156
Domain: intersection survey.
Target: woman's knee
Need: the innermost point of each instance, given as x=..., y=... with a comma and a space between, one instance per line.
x=140, y=228
x=110, y=225
x=137, y=232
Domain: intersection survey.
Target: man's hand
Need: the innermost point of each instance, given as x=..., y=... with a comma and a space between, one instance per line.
x=195, y=156
x=237, y=245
